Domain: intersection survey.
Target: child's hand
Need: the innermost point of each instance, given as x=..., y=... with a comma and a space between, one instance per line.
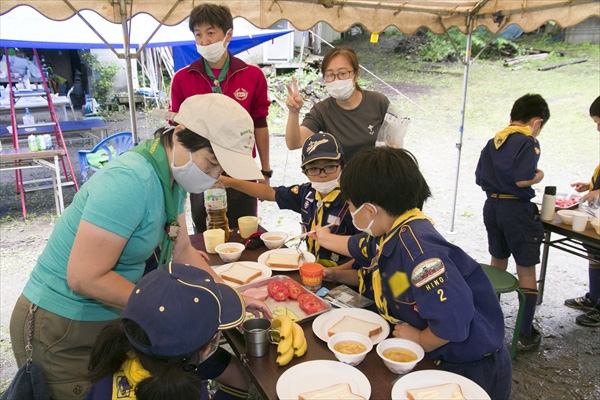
x=329, y=274
x=581, y=186
x=404, y=331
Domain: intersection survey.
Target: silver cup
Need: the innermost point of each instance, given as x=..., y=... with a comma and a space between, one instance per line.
x=257, y=336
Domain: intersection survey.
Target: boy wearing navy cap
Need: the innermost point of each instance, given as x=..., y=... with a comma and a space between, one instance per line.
x=169, y=327
x=318, y=202
x=431, y=290
x=506, y=170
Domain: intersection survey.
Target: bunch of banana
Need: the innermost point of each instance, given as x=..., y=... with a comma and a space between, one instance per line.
x=291, y=339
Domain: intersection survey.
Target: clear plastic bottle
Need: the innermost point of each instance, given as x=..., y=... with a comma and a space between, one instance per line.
x=28, y=119
x=548, y=203
x=32, y=142
x=215, y=201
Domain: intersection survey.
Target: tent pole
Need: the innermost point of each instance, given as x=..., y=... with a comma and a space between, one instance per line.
x=462, y=117
x=123, y=12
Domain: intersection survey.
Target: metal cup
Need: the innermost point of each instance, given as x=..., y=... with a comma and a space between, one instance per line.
x=257, y=336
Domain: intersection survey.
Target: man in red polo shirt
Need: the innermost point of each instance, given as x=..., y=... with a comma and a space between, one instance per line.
x=217, y=71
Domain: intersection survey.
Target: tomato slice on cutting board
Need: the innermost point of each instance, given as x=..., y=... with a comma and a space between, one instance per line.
x=294, y=287
x=309, y=303
x=278, y=291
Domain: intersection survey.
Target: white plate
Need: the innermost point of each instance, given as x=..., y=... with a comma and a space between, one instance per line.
x=308, y=257
x=431, y=377
x=318, y=374
x=323, y=322
x=266, y=271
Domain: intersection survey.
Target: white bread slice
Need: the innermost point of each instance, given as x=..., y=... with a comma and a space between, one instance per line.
x=279, y=260
x=351, y=324
x=445, y=391
x=239, y=273
x=339, y=391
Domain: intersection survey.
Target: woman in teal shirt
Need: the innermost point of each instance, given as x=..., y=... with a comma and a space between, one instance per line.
x=97, y=251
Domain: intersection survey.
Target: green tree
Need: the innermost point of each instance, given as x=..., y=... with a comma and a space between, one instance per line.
x=104, y=75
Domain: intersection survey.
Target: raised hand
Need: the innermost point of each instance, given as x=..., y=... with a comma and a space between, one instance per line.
x=294, y=101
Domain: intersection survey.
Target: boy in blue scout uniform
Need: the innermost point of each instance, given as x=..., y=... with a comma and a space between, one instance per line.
x=318, y=202
x=506, y=170
x=432, y=291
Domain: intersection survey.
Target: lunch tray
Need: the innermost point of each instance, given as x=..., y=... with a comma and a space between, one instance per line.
x=289, y=303
x=539, y=195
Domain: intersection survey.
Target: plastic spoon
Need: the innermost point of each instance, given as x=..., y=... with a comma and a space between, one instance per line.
x=570, y=193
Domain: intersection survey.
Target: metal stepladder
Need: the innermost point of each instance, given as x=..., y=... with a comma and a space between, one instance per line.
x=70, y=179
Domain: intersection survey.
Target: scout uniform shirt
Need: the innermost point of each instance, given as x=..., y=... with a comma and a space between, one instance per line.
x=416, y=276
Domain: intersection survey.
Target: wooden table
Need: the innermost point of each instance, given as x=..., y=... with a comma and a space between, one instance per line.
x=571, y=242
x=263, y=370
x=19, y=159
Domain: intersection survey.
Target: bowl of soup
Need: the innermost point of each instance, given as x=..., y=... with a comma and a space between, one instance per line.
x=400, y=355
x=350, y=347
x=273, y=240
x=230, y=251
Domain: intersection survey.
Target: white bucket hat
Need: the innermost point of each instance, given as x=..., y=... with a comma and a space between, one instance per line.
x=228, y=127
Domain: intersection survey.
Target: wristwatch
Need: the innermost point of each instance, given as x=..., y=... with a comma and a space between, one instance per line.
x=267, y=174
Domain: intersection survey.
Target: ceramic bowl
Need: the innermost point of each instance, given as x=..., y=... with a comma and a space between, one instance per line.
x=351, y=359
x=399, y=367
x=230, y=251
x=274, y=240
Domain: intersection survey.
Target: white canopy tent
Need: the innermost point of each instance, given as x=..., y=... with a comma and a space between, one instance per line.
x=375, y=15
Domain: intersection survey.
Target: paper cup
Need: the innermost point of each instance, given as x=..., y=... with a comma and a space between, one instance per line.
x=213, y=238
x=248, y=225
x=580, y=220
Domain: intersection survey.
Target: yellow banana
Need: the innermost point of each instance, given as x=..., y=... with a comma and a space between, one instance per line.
x=283, y=324
x=299, y=352
x=284, y=345
x=285, y=358
x=298, y=334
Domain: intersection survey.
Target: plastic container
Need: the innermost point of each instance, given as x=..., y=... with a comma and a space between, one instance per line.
x=548, y=203
x=48, y=140
x=32, y=142
x=312, y=276
x=215, y=202
x=28, y=119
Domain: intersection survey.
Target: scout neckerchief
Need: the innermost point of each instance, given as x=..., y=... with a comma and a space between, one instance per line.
x=380, y=300
x=125, y=380
x=216, y=88
x=311, y=245
x=501, y=136
x=154, y=152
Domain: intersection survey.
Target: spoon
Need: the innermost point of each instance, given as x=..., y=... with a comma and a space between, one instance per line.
x=570, y=193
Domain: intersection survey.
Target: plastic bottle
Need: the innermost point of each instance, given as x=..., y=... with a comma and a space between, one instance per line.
x=548, y=203
x=41, y=142
x=28, y=120
x=215, y=201
x=27, y=80
x=48, y=140
x=33, y=144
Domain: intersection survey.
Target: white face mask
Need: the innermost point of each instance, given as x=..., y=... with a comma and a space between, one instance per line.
x=325, y=187
x=368, y=228
x=340, y=90
x=191, y=178
x=212, y=52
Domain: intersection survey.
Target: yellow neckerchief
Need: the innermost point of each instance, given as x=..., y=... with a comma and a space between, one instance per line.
x=311, y=245
x=134, y=372
x=380, y=300
x=501, y=136
x=594, y=178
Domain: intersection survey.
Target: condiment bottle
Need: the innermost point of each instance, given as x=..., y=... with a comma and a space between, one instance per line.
x=29, y=120
x=215, y=202
x=548, y=203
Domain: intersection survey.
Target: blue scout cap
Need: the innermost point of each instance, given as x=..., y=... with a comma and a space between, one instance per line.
x=180, y=308
x=321, y=146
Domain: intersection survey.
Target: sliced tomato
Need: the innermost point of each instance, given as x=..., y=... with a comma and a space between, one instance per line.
x=309, y=303
x=294, y=287
x=278, y=291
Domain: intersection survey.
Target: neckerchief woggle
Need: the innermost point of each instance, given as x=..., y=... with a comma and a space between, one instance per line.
x=216, y=88
x=131, y=370
x=380, y=300
x=501, y=136
x=311, y=245
x=154, y=152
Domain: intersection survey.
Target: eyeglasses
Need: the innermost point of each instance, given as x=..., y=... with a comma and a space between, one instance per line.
x=328, y=169
x=342, y=75
x=211, y=347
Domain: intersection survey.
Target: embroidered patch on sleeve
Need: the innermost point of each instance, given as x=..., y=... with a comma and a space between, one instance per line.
x=429, y=271
x=294, y=189
x=398, y=283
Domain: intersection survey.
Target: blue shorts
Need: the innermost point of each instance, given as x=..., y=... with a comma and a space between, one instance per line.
x=513, y=227
x=493, y=373
x=215, y=365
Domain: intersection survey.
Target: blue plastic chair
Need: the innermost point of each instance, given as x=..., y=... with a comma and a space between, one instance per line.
x=119, y=143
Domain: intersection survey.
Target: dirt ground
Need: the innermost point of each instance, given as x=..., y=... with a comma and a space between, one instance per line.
x=564, y=367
